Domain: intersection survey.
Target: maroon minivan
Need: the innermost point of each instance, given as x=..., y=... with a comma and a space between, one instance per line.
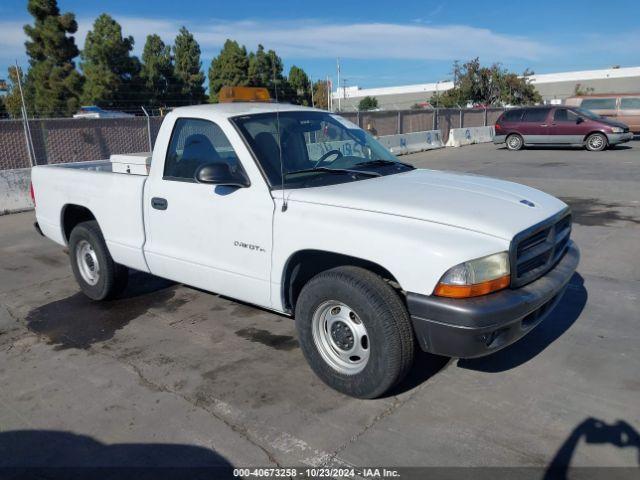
x=558, y=125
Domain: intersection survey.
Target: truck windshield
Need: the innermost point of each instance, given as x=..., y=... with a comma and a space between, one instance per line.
x=312, y=148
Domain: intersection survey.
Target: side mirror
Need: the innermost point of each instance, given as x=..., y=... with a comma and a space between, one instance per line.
x=580, y=120
x=221, y=174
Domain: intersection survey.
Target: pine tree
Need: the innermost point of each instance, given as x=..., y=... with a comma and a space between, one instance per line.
x=53, y=82
x=188, y=68
x=260, y=72
x=265, y=70
x=110, y=72
x=300, y=87
x=3, y=109
x=157, y=73
x=12, y=100
x=228, y=69
x=285, y=92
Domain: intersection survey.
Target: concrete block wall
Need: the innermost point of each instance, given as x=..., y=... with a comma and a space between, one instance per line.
x=14, y=190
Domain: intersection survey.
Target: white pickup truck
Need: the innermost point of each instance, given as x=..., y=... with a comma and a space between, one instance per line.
x=299, y=211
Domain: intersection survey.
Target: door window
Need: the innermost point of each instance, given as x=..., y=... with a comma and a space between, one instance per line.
x=562, y=115
x=512, y=115
x=535, y=114
x=196, y=142
x=630, y=103
x=599, y=103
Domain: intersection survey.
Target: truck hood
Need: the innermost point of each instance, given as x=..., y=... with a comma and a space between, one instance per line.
x=482, y=204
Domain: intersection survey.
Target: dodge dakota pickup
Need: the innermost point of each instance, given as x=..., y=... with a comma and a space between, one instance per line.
x=299, y=211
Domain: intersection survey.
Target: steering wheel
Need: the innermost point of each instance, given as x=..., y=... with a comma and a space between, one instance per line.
x=335, y=152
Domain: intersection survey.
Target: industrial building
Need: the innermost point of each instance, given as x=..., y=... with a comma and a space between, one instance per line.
x=553, y=87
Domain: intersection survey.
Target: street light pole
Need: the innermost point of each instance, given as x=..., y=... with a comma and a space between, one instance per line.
x=338, y=64
x=25, y=120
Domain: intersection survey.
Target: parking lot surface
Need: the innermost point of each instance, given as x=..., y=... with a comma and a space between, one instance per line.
x=170, y=375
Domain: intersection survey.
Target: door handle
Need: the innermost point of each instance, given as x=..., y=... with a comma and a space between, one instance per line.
x=159, y=203
x=544, y=125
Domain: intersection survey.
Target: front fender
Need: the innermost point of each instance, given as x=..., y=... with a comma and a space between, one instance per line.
x=415, y=252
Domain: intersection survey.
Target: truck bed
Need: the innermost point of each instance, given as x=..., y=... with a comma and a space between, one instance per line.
x=114, y=199
x=92, y=166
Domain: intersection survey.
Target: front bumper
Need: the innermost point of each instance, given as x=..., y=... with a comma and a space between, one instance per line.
x=615, y=138
x=473, y=327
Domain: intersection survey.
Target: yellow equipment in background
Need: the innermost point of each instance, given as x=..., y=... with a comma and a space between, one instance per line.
x=243, y=94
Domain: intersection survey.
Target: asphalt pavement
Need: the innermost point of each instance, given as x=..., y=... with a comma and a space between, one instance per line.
x=171, y=375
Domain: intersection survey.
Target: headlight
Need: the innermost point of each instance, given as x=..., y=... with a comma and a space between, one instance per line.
x=617, y=129
x=475, y=277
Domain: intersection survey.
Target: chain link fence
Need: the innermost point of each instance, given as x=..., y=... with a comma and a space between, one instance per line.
x=392, y=122
x=70, y=140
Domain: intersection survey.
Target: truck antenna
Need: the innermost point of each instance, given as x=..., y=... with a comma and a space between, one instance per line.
x=275, y=88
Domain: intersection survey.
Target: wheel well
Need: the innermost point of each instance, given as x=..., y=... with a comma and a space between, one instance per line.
x=595, y=131
x=72, y=215
x=305, y=264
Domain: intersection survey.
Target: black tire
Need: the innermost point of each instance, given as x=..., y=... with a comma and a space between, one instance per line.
x=514, y=142
x=384, y=315
x=596, y=142
x=111, y=278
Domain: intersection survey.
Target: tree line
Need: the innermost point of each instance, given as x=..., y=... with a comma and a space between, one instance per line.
x=111, y=77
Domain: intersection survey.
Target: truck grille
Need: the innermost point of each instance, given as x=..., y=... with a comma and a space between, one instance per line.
x=536, y=250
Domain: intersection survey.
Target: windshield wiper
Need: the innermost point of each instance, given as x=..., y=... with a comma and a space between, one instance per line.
x=334, y=170
x=381, y=162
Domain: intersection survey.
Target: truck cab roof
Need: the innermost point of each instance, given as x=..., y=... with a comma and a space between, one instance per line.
x=236, y=109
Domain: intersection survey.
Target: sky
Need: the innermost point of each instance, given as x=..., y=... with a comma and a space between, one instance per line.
x=379, y=43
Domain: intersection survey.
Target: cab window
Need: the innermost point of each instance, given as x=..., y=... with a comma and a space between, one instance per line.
x=196, y=142
x=599, y=103
x=630, y=103
x=564, y=115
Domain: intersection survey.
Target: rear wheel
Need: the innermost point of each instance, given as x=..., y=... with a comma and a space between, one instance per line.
x=99, y=277
x=514, y=142
x=354, y=331
x=596, y=142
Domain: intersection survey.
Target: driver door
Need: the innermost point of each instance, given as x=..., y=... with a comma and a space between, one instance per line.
x=212, y=237
x=566, y=128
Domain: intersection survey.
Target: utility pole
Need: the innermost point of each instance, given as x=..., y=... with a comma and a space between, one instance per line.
x=311, y=86
x=148, y=129
x=25, y=120
x=338, y=64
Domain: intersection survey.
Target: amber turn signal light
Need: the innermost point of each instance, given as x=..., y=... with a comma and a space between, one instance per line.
x=466, y=291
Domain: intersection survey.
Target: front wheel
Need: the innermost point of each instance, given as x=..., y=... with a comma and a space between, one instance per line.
x=99, y=277
x=596, y=142
x=354, y=331
x=514, y=142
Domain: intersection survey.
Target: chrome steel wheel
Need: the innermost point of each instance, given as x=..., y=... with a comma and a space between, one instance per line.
x=340, y=337
x=596, y=142
x=87, y=261
x=514, y=142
